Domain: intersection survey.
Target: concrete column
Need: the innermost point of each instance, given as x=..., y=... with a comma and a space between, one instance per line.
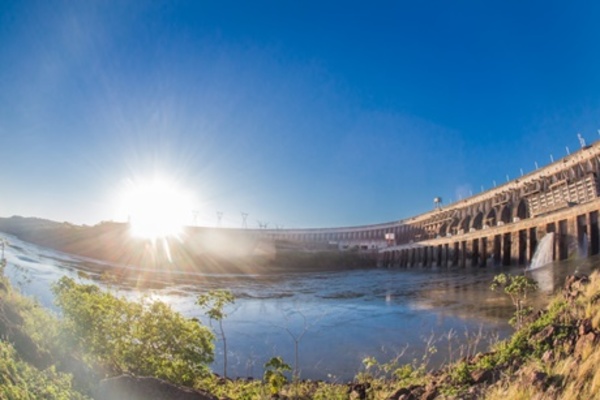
x=515, y=247
x=566, y=227
x=475, y=253
x=430, y=256
x=463, y=254
x=445, y=256
x=484, y=251
x=594, y=233
x=532, y=243
x=588, y=231
x=497, y=249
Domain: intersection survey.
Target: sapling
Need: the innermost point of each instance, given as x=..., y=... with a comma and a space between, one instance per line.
x=214, y=302
x=516, y=287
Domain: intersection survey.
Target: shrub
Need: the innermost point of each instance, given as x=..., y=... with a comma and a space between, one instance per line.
x=135, y=337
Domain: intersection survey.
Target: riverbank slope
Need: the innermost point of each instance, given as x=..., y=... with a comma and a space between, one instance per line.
x=553, y=356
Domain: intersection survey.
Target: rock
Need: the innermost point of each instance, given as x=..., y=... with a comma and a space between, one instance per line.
x=585, y=341
x=399, y=393
x=585, y=327
x=548, y=356
x=360, y=389
x=430, y=393
x=145, y=388
x=574, y=285
x=413, y=392
x=545, y=335
x=482, y=376
x=539, y=379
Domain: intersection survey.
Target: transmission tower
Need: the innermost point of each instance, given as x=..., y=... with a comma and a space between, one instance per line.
x=262, y=225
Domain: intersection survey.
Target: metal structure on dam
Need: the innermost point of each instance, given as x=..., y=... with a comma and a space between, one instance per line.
x=501, y=226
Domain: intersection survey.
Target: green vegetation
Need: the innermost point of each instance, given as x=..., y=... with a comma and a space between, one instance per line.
x=21, y=381
x=274, y=375
x=517, y=287
x=551, y=355
x=214, y=302
x=144, y=339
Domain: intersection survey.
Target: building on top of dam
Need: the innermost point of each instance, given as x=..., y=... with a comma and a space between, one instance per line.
x=499, y=226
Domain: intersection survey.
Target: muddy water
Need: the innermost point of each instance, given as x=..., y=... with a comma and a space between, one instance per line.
x=336, y=319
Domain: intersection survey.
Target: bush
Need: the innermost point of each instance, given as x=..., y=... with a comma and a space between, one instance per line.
x=20, y=381
x=122, y=336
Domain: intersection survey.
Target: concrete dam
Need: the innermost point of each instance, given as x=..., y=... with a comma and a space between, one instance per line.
x=501, y=226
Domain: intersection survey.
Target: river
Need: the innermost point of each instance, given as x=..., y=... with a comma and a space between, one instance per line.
x=336, y=319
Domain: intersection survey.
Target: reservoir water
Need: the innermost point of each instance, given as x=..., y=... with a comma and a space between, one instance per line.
x=336, y=318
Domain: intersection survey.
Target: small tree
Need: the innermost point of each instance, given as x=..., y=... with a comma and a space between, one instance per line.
x=214, y=302
x=274, y=374
x=517, y=287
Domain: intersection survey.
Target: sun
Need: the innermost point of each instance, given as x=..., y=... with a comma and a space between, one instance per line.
x=156, y=208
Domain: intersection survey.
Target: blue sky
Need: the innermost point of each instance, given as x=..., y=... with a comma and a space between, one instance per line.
x=301, y=114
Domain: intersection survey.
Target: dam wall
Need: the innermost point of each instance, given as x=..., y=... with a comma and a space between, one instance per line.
x=501, y=226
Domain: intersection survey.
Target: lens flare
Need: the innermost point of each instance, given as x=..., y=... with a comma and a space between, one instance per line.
x=156, y=208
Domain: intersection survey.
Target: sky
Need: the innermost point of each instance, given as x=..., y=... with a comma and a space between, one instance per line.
x=298, y=113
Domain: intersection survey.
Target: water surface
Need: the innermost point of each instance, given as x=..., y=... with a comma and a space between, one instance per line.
x=335, y=318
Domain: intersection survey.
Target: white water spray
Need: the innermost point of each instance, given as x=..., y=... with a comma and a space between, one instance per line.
x=544, y=252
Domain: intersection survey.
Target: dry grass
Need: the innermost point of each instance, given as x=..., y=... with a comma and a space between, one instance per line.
x=570, y=375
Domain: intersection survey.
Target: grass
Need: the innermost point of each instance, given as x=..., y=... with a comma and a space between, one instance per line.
x=553, y=355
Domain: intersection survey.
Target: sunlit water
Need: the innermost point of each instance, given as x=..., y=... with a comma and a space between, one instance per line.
x=336, y=319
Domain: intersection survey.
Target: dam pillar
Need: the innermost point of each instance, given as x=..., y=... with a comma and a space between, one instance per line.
x=532, y=243
x=430, y=256
x=497, y=250
x=594, y=234
x=506, y=249
x=445, y=256
x=563, y=237
x=455, y=254
x=583, y=230
x=551, y=227
x=522, y=249
x=475, y=253
x=484, y=252
x=515, y=247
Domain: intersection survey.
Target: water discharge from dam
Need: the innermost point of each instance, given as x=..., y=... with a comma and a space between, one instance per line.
x=544, y=253
x=345, y=315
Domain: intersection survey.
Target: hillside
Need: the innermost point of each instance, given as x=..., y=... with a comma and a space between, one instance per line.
x=197, y=250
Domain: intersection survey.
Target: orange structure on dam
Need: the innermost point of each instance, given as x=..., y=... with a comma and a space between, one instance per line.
x=501, y=226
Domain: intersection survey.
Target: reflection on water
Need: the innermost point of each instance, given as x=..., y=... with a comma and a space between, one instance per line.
x=342, y=317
